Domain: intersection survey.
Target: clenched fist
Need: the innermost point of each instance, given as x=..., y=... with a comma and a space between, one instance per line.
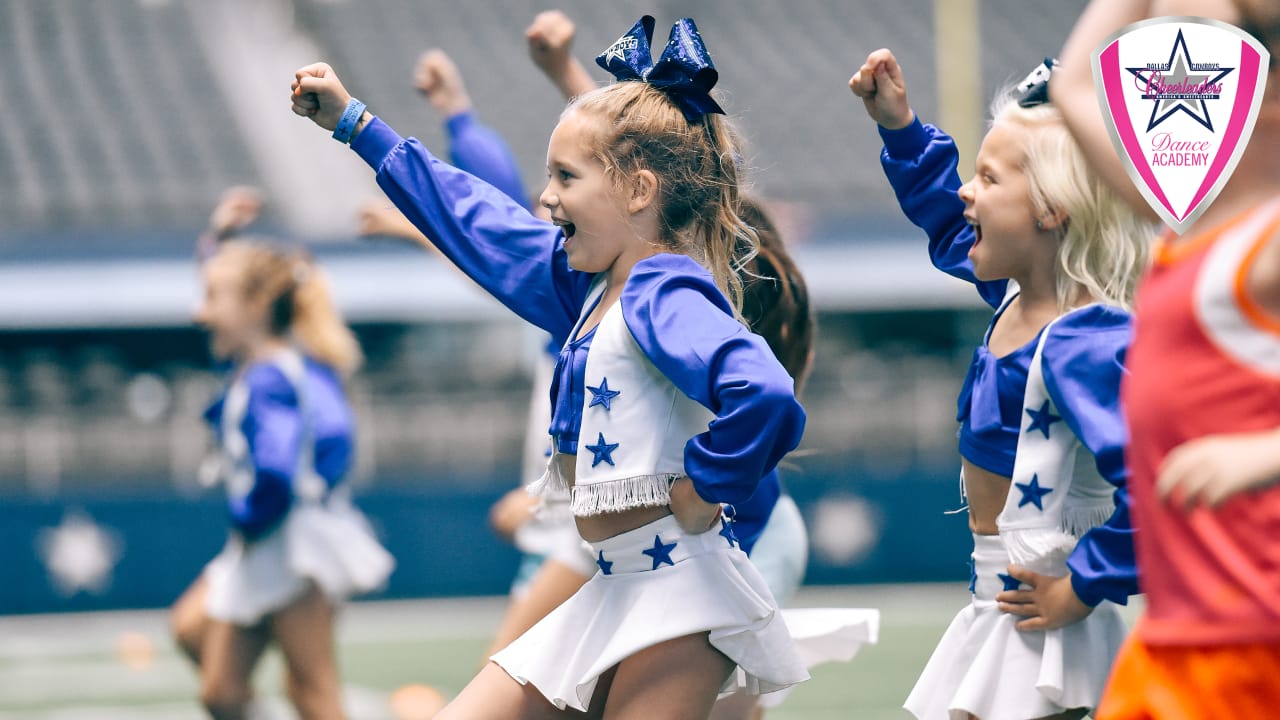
x=318, y=94
x=550, y=39
x=437, y=77
x=880, y=84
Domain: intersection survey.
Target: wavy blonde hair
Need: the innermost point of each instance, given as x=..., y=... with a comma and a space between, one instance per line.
x=1103, y=244
x=696, y=167
x=299, y=304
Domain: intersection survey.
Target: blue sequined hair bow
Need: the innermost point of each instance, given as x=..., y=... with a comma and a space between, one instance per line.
x=684, y=71
x=1034, y=88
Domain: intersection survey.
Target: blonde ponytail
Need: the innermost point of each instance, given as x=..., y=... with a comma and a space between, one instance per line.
x=318, y=326
x=299, y=304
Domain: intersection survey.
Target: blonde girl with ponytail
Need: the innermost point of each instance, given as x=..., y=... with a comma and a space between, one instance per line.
x=1056, y=255
x=285, y=432
x=664, y=404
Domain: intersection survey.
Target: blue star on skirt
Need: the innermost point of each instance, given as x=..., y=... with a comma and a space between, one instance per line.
x=603, y=395
x=606, y=567
x=726, y=532
x=660, y=552
x=1010, y=582
x=1032, y=492
x=973, y=576
x=1041, y=419
x=602, y=451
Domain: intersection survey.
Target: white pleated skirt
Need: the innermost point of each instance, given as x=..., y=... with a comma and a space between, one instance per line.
x=329, y=544
x=683, y=585
x=986, y=667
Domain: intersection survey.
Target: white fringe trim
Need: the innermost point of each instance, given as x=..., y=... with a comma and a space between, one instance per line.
x=1082, y=519
x=622, y=494
x=1029, y=546
x=551, y=484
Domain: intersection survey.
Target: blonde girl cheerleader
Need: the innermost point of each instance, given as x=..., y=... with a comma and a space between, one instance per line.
x=297, y=546
x=1041, y=435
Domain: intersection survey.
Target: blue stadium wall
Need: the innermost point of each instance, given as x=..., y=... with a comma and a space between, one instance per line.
x=442, y=543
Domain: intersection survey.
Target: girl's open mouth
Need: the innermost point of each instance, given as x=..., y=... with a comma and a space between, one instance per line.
x=568, y=227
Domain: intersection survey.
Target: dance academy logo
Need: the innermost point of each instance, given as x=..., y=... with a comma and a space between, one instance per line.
x=1180, y=96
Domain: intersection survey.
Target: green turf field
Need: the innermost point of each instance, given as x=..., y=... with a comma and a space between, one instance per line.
x=97, y=666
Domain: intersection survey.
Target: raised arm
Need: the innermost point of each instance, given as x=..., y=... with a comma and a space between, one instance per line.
x=1073, y=92
x=550, y=39
x=921, y=163
x=473, y=146
x=513, y=255
x=238, y=207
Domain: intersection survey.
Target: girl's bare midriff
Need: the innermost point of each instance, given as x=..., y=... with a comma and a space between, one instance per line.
x=986, y=493
x=595, y=528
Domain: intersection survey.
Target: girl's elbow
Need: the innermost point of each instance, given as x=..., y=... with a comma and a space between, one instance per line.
x=780, y=403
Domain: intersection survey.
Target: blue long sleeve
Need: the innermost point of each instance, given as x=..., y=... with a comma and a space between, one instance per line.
x=272, y=426
x=920, y=162
x=686, y=328
x=1103, y=565
x=1083, y=367
x=751, y=515
x=478, y=149
x=513, y=255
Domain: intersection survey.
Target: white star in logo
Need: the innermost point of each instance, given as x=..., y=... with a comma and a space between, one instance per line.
x=1177, y=73
x=619, y=49
x=79, y=554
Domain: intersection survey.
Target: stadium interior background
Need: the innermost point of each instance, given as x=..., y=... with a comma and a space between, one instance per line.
x=126, y=119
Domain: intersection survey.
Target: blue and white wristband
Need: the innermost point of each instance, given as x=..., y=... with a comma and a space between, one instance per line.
x=350, y=118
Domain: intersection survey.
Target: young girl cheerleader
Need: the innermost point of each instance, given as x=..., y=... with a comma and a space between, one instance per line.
x=1204, y=451
x=664, y=405
x=775, y=305
x=1041, y=438
x=768, y=526
x=284, y=429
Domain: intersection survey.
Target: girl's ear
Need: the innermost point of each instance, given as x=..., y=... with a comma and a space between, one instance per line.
x=257, y=307
x=644, y=191
x=1051, y=219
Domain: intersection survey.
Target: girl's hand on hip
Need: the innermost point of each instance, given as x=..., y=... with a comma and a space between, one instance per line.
x=1050, y=603
x=694, y=514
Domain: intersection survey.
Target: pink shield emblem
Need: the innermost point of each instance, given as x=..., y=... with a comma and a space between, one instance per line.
x=1180, y=96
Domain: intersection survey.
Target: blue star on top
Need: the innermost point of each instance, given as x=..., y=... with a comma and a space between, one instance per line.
x=1032, y=492
x=606, y=567
x=603, y=395
x=602, y=451
x=1041, y=419
x=1010, y=582
x=726, y=532
x=660, y=552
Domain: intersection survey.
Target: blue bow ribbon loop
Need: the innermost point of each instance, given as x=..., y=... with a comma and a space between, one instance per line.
x=684, y=71
x=630, y=57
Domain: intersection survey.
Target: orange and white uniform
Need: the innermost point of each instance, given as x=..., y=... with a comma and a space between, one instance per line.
x=1205, y=360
